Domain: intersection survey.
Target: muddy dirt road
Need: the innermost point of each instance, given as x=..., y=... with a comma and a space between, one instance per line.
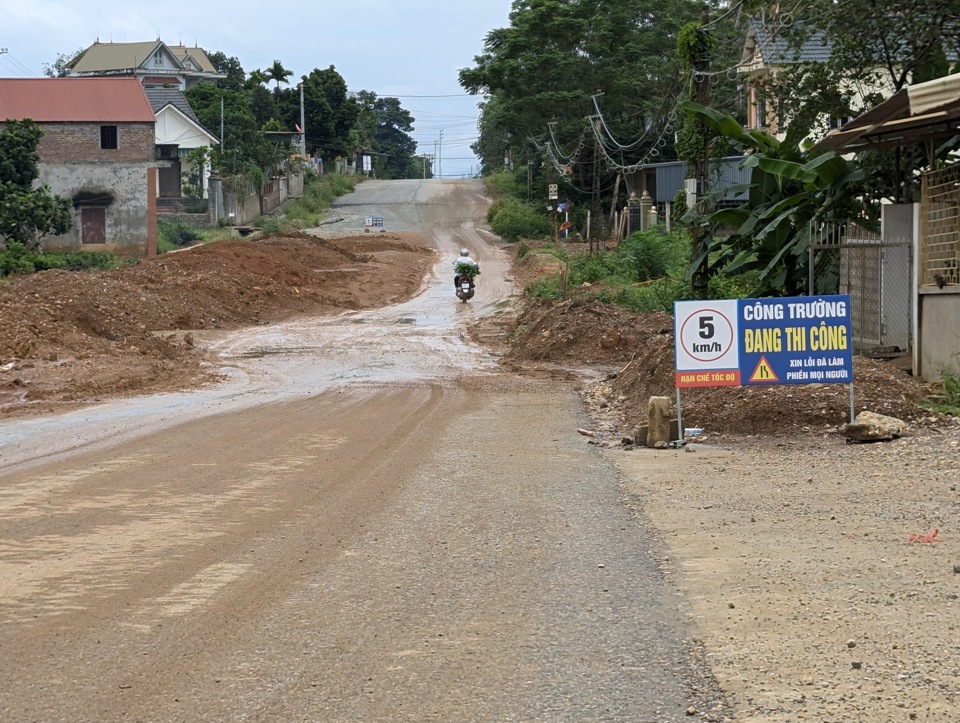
x=367, y=521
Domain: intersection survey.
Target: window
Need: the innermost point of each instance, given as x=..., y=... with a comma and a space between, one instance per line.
x=108, y=137
x=158, y=59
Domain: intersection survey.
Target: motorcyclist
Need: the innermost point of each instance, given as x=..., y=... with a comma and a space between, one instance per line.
x=462, y=266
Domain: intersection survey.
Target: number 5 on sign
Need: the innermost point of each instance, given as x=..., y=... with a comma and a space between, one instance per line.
x=706, y=339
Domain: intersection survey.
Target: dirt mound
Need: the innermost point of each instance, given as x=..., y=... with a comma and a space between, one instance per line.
x=78, y=337
x=638, y=351
x=584, y=332
x=72, y=336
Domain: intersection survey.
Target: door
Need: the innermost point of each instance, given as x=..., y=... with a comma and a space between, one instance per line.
x=93, y=225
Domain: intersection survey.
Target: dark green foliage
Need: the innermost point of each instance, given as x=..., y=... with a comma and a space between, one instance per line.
x=383, y=126
x=177, y=234
x=642, y=256
x=514, y=220
x=17, y=259
x=767, y=236
x=26, y=213
x=559, y=67
x=331, y=115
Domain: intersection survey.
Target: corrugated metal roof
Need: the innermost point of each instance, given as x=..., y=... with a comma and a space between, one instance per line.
x=102, y=57
x=936, y=93
x=723, y=173
x=81, y=100
x=198, y=55
x=912, y=115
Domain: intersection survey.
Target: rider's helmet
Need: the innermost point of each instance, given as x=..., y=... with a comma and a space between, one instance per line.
x=464, y=252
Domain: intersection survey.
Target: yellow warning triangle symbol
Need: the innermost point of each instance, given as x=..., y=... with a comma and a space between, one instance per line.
x=763, y=372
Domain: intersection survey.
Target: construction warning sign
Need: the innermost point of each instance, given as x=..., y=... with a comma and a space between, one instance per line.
x=763, y=373
x=792, y=340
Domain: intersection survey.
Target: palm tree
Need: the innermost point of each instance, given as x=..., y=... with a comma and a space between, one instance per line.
x=259, y=77
x=278, y=74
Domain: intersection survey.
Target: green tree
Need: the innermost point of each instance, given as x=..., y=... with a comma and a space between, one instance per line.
x=385, y=127
x=229, y=66
x=893, y=43
x=585, y=85
x=244, y=146
x=58, y=68
x=788, y=193
x=26, y=213
x=262, y=103
x=278, y=74
x=330, y=114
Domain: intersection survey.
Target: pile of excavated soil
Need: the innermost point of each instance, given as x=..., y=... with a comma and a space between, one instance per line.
x=79, y=337
x=638, y=352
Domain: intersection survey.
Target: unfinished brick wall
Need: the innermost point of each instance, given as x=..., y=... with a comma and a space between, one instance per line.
x=80, y=143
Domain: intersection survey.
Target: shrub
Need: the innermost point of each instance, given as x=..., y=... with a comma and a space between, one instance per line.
x=514, y=220
x=17, y=260
x=502, y=184
x=78, y=261
x=546, y=288
x=176, y=234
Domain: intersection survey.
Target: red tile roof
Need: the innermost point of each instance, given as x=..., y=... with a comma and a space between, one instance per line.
x=65, y=100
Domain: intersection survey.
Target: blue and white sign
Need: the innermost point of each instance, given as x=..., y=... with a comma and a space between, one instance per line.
x=792, y=340
x=796, y=340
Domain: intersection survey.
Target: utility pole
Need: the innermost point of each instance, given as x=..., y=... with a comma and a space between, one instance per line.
x=595, y=200
x=700, y=277
x=303, y=127
x=440, y=156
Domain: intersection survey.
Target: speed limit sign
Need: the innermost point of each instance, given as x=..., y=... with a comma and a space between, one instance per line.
x=707, y=347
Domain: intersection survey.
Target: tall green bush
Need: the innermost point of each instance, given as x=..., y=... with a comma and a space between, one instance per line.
x=513, y=220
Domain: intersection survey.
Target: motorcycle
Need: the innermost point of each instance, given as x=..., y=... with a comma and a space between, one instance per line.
x=465, y=279
x=465, y=287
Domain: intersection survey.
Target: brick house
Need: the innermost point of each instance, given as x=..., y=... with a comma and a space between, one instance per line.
x=98, y=151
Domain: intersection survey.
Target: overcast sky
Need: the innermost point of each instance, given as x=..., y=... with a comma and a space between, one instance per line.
x=411, y=49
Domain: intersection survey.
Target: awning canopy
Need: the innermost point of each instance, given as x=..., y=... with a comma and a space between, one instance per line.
x=915, y=114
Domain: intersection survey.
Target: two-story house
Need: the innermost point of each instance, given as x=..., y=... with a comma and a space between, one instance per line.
x=179, y=132
x=153, y=63
x=767, y=52
x=98, y=151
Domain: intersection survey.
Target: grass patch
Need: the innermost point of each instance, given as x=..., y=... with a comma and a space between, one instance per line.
x=308, y=211
x=948, y=402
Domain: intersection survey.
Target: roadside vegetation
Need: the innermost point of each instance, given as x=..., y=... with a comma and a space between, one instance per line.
x=307, y=211
x=948, y=401
x=646, y=272
x=17, y=259
x=509, y=216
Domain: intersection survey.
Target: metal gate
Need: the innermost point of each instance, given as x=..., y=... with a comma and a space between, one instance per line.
x=876, y=273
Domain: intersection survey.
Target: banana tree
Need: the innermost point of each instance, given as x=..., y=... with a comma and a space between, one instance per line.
x=788, y=193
